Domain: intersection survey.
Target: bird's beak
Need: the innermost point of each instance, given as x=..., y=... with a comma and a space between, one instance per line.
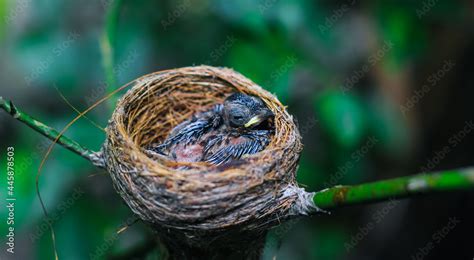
x=259, y=118
x=253, y=121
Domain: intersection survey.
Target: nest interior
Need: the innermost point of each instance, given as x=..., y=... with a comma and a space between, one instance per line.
x=249, y=196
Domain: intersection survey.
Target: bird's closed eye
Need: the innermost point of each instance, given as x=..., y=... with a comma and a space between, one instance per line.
x=237, y=119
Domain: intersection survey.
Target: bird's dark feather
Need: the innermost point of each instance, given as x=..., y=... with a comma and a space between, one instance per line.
x=209, y=137
x=257, y=141
x=190, y=131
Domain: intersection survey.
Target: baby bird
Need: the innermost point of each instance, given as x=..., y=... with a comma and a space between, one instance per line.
x=222, y=134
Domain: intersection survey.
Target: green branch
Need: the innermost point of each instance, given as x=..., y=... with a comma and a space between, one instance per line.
x=339, y=196
x=47, y=131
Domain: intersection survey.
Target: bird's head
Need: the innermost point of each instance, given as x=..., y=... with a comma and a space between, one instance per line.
x=244, y=111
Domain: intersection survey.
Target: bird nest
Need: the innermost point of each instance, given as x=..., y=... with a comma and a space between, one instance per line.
x=203, y=201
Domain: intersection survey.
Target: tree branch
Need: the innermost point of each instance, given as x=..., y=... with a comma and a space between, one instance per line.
x=450, y=180
x=47, y=131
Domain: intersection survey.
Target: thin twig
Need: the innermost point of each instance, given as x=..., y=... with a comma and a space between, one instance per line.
x=45, y=130
x=77, y=110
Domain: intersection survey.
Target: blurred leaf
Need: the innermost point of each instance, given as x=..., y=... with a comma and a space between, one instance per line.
x=342, y=116
x=241, y=55
x=277, y=64
x=400, y=26
x=53, y=57
x=244, y=14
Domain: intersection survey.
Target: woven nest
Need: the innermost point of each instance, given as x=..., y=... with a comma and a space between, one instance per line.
x=202, y=201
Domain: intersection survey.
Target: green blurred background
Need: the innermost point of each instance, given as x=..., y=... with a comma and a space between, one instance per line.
x=379, y=89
